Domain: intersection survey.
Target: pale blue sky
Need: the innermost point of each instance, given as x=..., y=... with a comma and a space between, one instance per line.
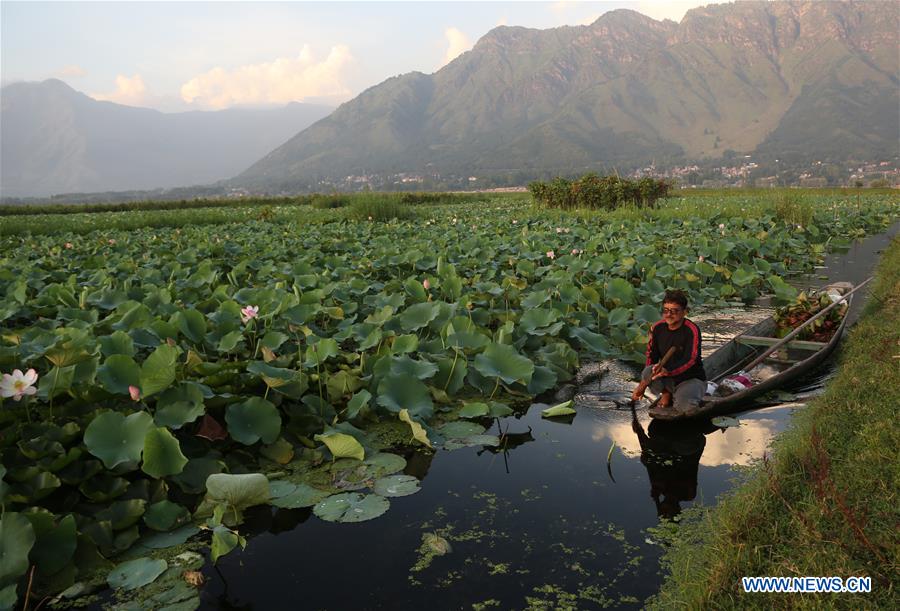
x=210, y=55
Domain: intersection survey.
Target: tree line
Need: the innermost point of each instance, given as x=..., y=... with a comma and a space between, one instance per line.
x=599, y=192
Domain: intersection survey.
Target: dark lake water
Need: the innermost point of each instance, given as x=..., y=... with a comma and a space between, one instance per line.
x=546, y=524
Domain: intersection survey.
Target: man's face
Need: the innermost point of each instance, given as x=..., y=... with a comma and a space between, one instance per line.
x=673, y=314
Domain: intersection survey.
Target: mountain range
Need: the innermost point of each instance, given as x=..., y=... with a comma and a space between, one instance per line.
x=54, y=139
x=803, y=80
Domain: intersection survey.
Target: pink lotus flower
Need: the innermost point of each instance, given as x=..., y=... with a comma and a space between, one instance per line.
x=700, y=258
x=111, y=241
x=426, y=284
x=249, y=313
x=551, y=254
x=575, y=251
x=135, y=393
x=18, y=384
x=68, y=245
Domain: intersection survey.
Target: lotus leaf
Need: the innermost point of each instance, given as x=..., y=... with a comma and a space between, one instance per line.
x=404, y=343
x=502, y=361
x=351, y=507
x=418, y=431
x=279, y=488
x=166, y=515
x=542, y=380
x=192, y=324
x=34, y=488
x=321, y=351
x=563, y=409
x=163, y=540
x=280, y=452
x=460, y=429
x=418, y=315
x=55, y=541
x=384, y=463
x=618, y=317
x=16, y=540
x=472, y=440
x=536, y=318
x=162, y=454
x=235, y=493
x=620, y=291
x=341, y=445
x=136, y=573
x=192, y=478
x=474, y=410
x=115, y=438
x=403, y=391
x=396, y=485
x=123, y=514
x=357, y=402
x=179, y=406
x=419, y=369
x=118, y=372
x=342, y=383
x=302, y=495
x=252, y=420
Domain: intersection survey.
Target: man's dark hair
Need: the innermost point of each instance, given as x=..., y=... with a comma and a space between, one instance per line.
x=676, y=296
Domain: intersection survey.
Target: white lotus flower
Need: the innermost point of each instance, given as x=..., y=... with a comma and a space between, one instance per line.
x=18, y=384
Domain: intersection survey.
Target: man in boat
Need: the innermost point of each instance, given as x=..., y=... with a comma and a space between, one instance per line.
x=681, y=380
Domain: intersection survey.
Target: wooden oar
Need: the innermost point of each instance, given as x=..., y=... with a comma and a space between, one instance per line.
x=796, y=331
x=642, y=386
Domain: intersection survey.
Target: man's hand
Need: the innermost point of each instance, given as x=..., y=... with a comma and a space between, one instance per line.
x=638, y=392
x=659, y=372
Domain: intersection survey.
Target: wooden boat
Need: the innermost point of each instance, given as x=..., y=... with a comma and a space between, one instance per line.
x=791, y=360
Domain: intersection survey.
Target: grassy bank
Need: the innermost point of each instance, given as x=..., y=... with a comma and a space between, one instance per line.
x=826, y=502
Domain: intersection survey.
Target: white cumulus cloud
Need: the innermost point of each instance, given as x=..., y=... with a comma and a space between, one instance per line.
x=280, y=81
x=130, y=91
x=457, y=44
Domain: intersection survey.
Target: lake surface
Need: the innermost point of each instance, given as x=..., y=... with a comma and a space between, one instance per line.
x=547, y=523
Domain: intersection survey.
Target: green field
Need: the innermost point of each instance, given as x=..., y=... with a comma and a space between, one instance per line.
x=298, y=339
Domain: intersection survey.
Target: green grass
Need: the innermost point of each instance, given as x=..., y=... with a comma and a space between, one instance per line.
x=826, y=502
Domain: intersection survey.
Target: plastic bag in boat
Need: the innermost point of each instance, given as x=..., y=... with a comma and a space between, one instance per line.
x=734, y=383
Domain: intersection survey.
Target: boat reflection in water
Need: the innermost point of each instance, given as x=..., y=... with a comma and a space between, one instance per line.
x=671, y=453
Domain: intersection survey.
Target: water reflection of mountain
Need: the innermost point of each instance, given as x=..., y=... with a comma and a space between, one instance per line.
x=734, y=446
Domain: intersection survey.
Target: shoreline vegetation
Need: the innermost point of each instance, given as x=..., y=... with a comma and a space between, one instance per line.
x=825, y=502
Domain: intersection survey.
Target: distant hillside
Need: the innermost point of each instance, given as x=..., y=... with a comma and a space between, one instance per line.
x=810, y=78
x=57, y=140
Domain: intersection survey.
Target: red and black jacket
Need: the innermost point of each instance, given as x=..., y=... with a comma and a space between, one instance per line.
x=686, y=363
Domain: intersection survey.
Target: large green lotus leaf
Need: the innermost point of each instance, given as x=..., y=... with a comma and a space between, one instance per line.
x=535, y=299
x=620, y=291
x=419, y=315
x=384, y=463
x=162, y=540
x=230, y=341
x=136, y=573
x=396, y=392
x=8, y=595
x=451, y=375
x=118, y=372
x=502, y=361
x=474, y=410
x=57, y=381
x=55, y=541
x=193, y=325
x=593, y=341
x=179, y=405
x=321, y=351
x=471, y=441
x=223, y=541
x=162, y=454
x=499, y=410
x=341, y=445
x=193, y=478
x=239, y=491
x=273, y=340
x=280, y=452
x=303, y=495
x=543, y=379
x=744, y=275
x=103, y=487
x=123, y=514
x=286, y=381
x=16, y=540
x=396, y=485
x=342, y=383
x=619, y=317
x=405, y=343
x=460, y=429
x=356, y=403
x=166, y=515
x=117, y=343
x=537, y=318
x=646, y=313
x=115, y=438
x=279, y=488
x=418, y=431
x=467, y=340
x=39, y=485
x=351, y=507
x=420, y=369
x=252, y=420
x=158, y=371
x=563, y=409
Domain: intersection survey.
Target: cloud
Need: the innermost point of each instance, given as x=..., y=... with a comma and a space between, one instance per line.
x=129, y=91
x=277, y=82
x=72, y=71
x=457, y=44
